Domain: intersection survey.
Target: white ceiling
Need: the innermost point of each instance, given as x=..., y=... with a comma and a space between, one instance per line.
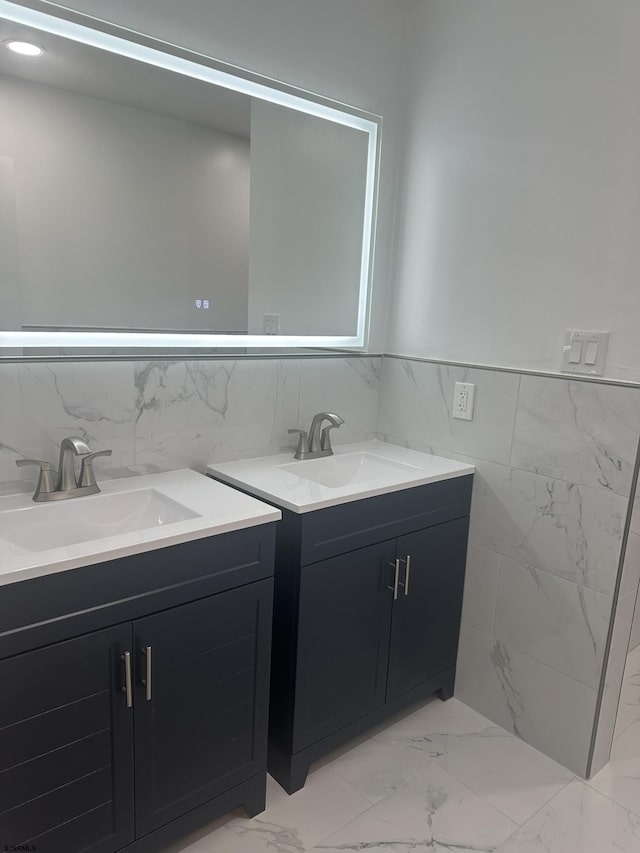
x=90, y=71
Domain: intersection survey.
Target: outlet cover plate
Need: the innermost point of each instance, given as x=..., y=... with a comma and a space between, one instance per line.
x=463, y=399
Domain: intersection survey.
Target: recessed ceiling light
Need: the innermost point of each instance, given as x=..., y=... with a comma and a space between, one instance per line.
x=25, y=48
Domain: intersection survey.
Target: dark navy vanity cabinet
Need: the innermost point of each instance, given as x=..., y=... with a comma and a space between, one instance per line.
x=367, y=606
x=134, y=696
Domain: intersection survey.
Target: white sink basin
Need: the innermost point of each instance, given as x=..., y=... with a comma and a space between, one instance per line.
x=40, y=527
x=355, y=471
x=129, y=516
x=348, y=468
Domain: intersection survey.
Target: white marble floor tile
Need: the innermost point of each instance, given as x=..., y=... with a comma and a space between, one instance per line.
x=377, y=768
x=620, y=778
x=290, y=824
x=510, y=774
x=577, y=820
x=434, y=812
x=435, y=728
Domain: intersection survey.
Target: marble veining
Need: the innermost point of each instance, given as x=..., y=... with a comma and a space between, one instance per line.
x=554, y=460
x=545, y=707
x=188, y=412
x=487, y=792
x=581, y=432
x=578, y=820
x=416, y=405
x=349, y=387
x=177, y=413
x=570, y=531
x=43, y=403
x=557, y=622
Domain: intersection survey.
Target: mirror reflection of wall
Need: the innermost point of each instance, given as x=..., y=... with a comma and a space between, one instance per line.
x=133, y=198
x=303, y=268
x=124, y=217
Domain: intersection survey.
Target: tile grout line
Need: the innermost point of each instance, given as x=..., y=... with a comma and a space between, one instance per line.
x=537, y=812
x=515, y=419
x=507, y=465
x=519, y=824
x=591, y=787
x=540, y=663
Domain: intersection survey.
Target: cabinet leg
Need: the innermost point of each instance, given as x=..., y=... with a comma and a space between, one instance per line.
x=446, y=691
x=254, y=800
x=290, y=774
x=289, y=771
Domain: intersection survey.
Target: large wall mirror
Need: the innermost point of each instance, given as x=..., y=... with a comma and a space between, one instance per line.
x=152, y=197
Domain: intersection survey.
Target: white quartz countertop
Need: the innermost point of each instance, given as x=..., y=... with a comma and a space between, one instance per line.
x=360, y=470
x=202, y=507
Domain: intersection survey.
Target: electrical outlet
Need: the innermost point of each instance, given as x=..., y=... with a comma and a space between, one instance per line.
x=463, y=398
x=271, y=324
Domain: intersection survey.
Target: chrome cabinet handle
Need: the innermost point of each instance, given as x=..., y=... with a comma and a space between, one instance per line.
x=396, y=580
x=146, y=681
x=126, y=688
x=406, y=574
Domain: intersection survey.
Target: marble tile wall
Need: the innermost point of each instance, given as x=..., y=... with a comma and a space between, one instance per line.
x=620, y=704
x=554, y=460
x=173, y=414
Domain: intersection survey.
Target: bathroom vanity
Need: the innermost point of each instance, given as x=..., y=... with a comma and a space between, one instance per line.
x=134, y=667
x=370, y=559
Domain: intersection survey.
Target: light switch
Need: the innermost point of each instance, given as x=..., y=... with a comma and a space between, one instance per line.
x=575, y=353
x=591, y=354
x=585, y=352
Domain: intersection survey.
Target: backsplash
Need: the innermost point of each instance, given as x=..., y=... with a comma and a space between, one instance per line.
x=174, y=414
x=554, y=462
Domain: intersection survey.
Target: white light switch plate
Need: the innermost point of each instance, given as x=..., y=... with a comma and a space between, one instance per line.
x=585, y=352
x=463, y=398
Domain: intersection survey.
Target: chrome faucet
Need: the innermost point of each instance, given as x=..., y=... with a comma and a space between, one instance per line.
x=65, y=484
x=316, y=442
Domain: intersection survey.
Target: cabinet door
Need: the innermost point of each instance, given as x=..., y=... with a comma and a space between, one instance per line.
x=343, y=640
x=201, y=720
x=66, y=748
x=426, y=615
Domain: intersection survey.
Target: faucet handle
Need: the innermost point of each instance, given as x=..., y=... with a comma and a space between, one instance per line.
x=87, y=474
x=303, y=442
x=46, y=480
